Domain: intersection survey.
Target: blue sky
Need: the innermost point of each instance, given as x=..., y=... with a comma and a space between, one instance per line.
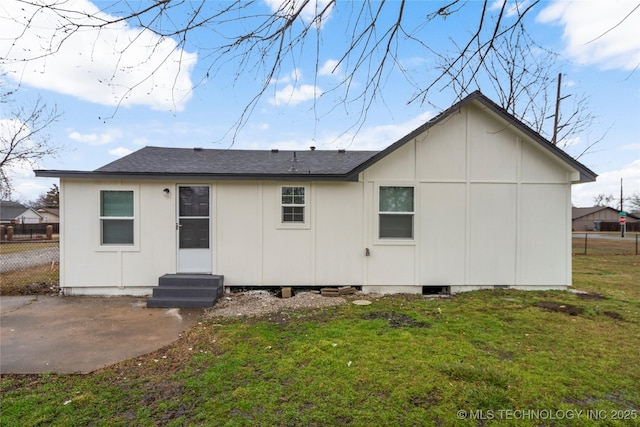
x=86, y=80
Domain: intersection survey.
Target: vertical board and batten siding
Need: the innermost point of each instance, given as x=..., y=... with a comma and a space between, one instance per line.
x=250, y=245
x=90, y=269
x=255, y=249
x=492, y=208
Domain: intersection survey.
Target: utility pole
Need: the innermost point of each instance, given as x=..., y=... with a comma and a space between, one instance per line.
x=621, y=199
x=623, y=222
x=554, y=140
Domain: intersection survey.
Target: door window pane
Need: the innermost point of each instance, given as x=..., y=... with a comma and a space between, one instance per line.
x=194, y=201
x=194, y=233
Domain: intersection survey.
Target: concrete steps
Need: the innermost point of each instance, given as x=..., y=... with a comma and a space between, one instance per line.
x=186, y=291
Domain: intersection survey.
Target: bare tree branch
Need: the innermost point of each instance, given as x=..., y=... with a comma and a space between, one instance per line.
x=261, y=44
x=24, y=140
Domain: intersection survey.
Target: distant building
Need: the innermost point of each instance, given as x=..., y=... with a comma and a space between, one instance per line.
x=591, y=219
x=50, y=215
x=15, y=213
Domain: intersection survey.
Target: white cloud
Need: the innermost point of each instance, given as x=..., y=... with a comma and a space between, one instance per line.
x=330, y=67
x=14, y=130
x=513, y=9
x=608, y=183
x=368, y=138
x=117, y=65
x=120, y=152
x=381, y=136
x=293, y=95
x=96, y=139
x=632, y=147
x=293, y=77
x=27, y=188
x=569, y=142
x=598, y=32
x=287, y=7
x=140, y=141
x=260, y=126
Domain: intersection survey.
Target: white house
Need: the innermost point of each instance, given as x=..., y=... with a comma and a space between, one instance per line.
x=15, y=213
x=471, y=199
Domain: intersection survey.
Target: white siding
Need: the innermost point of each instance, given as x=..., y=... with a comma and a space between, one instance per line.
x=443, y=234
x=491, y=208
x=492, y=234
x=544, y=228
x=87, y=267
x=238, y=221
x=254, y=248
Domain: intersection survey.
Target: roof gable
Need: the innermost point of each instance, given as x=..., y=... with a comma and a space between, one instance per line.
x=10, y=210
x=586, y=175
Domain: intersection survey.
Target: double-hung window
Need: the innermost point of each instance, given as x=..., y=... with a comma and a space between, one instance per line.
x=293, y=205
x=116, y=217
x=396, y=212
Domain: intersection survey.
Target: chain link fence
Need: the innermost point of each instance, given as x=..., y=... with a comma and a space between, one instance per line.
x=606, y=244
x=29, y=267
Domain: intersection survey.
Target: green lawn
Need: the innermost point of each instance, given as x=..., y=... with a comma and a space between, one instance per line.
x=589, y=244
x=508, y=357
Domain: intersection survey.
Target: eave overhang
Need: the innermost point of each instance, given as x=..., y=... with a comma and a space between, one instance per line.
x=349, y=177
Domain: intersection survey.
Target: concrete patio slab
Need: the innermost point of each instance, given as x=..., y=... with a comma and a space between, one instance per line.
x=63, y=334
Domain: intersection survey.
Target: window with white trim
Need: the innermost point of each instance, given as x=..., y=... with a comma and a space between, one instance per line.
x=293, y=205
x=395, y=212
x=116, y=217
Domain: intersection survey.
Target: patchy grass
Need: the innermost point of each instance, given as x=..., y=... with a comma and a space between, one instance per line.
x=403, y=360
x=38, y=280
x=614, y=276
x=597, y=246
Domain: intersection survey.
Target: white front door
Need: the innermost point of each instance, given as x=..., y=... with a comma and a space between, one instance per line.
x=194, y=229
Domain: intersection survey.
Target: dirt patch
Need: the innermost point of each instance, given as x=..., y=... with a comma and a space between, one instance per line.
x=41, y=288
x=592, y=297
x=397, y=320
x=258, y=303
x=615, y=316
x=569, y=309
x=428, y=400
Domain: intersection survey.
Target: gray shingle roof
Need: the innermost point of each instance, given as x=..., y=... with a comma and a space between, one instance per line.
x=237, y=163
x=577, y=213
x=11, y=210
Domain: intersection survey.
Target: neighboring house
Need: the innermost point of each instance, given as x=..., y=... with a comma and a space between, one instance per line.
x=50, y=215
x=15, y=213
x=590, y=219
x=415, y=217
